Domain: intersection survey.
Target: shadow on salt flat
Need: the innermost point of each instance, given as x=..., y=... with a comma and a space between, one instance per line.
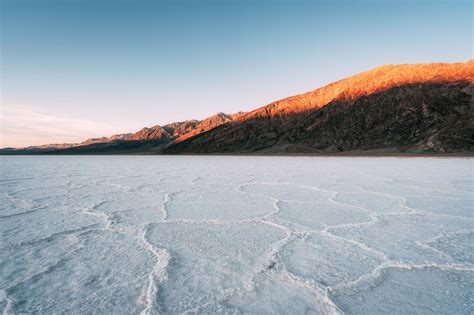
x=218, y=204
x=41, y=224
x=103, y=266
x=456, y=207
x=130, y=201
x=17, y=265
x=373, y=202
x=210, y=262
x=399, y=240
x=316, y=216
x=272, y=297
x=327, y=260
x=286, y=192
x=460, y=246
x=420, y=291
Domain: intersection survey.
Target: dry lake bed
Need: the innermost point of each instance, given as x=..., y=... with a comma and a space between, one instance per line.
x=232, y=235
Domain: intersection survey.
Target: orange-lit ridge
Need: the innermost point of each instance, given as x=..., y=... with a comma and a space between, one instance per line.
x=351, y=88
x=372, y=81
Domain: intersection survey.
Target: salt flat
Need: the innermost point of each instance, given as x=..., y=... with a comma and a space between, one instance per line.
x=253, y=235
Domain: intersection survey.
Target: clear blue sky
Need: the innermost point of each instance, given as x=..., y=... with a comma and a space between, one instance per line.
x=72, y=69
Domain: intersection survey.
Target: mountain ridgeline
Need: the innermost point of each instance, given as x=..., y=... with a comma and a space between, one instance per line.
x=392, y=109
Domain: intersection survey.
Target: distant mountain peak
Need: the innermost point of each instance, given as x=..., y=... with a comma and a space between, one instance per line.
x=372, y=81
x=417, y=107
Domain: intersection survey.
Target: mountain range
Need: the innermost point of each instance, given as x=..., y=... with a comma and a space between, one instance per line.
x=404, y=108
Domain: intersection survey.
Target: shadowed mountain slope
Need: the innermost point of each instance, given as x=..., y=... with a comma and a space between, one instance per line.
x=430, y=117
x=415, y=108
x=148, y=140
x=397, y=108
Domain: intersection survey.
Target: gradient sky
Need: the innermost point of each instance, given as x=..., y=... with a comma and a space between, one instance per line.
x=73, y=69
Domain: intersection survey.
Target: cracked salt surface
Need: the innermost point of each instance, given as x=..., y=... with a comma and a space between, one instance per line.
x=253, y=235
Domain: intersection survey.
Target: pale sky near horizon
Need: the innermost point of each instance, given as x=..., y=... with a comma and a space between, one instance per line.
x=73, y=69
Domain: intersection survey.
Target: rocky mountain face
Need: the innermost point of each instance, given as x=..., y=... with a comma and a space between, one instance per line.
x=153, y=133
x=420, y=108
x=204, y=125
x=118, y=137
x=399, y=108
x=430, y=117
x=147, y=140
x=367, y=83
x=178, y=129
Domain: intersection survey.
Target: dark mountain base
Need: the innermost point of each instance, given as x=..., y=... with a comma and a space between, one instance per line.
x=416, y=118
x=117, y=147
x=392, y=109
